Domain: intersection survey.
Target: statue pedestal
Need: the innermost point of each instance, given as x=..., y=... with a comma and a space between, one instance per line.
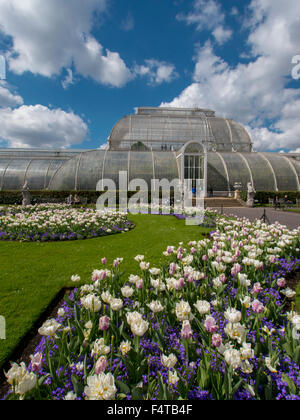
x=237, y=194
x=250, y=203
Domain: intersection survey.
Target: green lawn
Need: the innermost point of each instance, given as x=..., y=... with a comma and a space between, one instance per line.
x=33, y=273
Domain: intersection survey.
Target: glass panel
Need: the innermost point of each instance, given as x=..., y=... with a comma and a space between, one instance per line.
x=216, y=175
x=221, y=134
x=165, y=166
x=53, y=167
x=237, y=170
x=90, y=170
x=141, y=166
x=3, y=166
x=36, y=174
x=296, y=165
x=194, y=168
x=114, y=163
x=194, y=148
x=285, y=176
x=15, y=174
x=64, y=178
x=240, y=138
x=263, y=177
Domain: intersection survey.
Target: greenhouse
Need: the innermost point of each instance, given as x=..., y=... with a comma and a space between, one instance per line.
x=157, y=143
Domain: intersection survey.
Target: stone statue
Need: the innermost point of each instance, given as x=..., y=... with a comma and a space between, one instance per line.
x=26, y=195
x=251, y=195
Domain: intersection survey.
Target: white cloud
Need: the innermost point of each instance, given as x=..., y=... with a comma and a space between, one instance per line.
x=221, y=34
x=7, y=98
x=40, y=127
x=255, y=94
x=156, y=71
x=208, y=15
x=48, y=36
x=104, y=146
x=69, y=80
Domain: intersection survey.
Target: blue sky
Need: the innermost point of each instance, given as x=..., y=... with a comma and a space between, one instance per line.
x=75, y=67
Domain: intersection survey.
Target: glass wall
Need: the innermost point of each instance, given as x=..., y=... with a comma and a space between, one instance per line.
x=216, y=175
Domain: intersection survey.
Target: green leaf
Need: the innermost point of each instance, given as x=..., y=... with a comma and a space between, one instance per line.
x=137, y=393
x=123, y=387
x=182, y=389
x=290, y=382
x=296, y=357
x=78, y=386
x=161, y=389
x=268, y=389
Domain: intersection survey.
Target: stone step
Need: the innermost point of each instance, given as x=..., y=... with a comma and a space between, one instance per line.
x=218, y=202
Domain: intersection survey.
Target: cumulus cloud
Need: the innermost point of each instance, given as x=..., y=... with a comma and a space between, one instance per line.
x=40, y=127
x=8, y=98
x=157, y=72
x=48, y=36
x=208, y=15
x=257, y=93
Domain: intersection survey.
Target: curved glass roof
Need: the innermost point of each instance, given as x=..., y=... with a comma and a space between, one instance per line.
x=171, y=128
x=267, y=171
x=86, y=170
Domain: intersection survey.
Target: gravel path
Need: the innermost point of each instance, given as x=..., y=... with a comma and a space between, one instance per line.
x=289, y=219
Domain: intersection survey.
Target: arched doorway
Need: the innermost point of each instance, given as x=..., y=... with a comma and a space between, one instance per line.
x=194, y=165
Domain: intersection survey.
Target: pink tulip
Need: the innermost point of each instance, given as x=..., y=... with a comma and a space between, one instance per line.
x=257, y=289
x=180, y=284
x=104, y=322
x=281, y=282
x=257, y=307
x=101, y=365
x=216, y=340
x=186, y=331
x=36, y=362
x=222, y=278
x=210, y=324
x=139, y=284
x=237, y=268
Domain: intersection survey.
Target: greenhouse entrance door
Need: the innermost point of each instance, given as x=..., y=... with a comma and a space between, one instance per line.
x=194, y=170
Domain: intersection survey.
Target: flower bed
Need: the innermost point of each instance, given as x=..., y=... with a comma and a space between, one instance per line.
x=211, y=323
x=58, y=223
